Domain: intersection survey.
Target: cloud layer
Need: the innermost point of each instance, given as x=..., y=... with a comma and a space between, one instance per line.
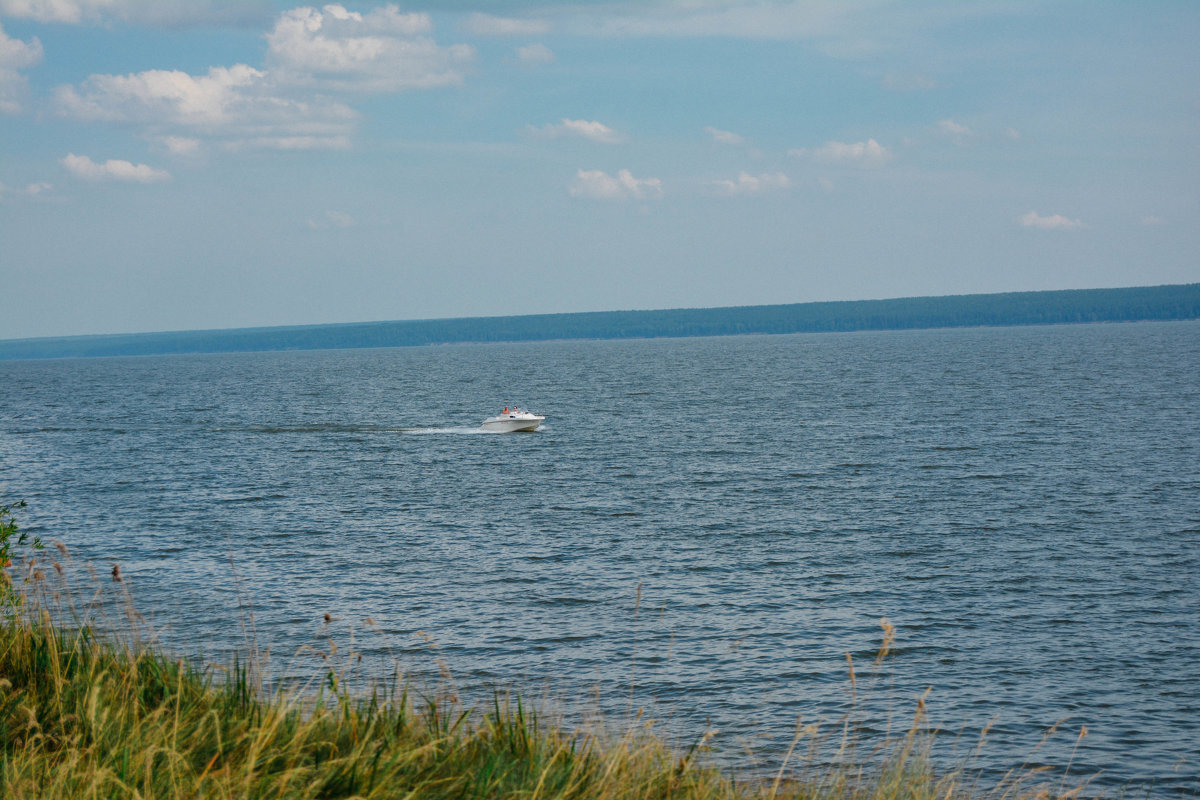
x=1032, y=219
x=15, y=55
x=112, y=170
x=862, y=154
x=599, y=185
x=234, y=105
x=40, y=189
x=581, y=128
x=536, y=53
x=747, y=184
x=384, y=50
x=723, y=137
x=289, y=104
x=163, y=13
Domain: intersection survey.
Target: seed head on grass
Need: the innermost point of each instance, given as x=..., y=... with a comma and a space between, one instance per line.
x=889, y=638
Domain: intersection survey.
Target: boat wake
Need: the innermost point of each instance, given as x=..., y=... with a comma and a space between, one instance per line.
x=464, y=430
x=356, y=429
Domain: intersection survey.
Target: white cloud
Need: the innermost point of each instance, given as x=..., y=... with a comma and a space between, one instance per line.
x=488, y=25
x=949, y=127
x=145, y=12
x=234, y=104
x=332, y=219
x=181, y=145
x=157, y=95
x=536, y=53
x=1153, y=221
x=723, y=137
x=290, y=103
x=747, y=184
x=1013, y=133
x=15, y=55
x=599, y=185
x=1033, y=219
x=956, y=132
x=863, y=154
x=48, y=10
x=593, y=131
x=31, y=190
x=113, y=169
x=380, y=51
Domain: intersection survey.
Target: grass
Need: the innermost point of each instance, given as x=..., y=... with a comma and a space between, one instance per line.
x=83, y=718
x=84, y=715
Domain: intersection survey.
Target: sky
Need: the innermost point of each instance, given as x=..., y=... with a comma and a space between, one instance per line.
x=215, y=164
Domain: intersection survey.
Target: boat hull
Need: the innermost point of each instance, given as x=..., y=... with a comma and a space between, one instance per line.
x=513, y=424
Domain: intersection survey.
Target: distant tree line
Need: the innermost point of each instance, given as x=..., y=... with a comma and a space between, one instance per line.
x=1173, y=302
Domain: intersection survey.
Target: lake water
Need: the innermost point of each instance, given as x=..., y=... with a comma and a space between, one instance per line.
x=1023, y=504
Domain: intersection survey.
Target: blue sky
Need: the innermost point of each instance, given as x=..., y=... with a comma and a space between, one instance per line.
x=168, y=166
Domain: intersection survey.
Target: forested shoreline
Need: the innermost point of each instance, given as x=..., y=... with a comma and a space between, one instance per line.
x=1169, y=302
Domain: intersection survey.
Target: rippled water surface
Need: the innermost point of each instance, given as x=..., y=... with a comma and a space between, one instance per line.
x=1023, y=504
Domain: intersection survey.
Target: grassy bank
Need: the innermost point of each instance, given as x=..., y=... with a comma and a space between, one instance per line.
x=81, y=718
x=89, y=716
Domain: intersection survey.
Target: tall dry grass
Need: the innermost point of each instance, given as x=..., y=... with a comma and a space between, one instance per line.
x=90, y=715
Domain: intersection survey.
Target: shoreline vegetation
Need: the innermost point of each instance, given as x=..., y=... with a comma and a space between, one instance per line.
x=1073, y=306
x=91, y=709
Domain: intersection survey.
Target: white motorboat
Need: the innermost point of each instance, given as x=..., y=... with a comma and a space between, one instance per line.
x=511, y=420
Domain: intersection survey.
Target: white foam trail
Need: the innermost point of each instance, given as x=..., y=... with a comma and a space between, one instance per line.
x=457, y=430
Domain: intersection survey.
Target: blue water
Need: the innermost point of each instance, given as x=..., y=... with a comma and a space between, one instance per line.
x=1023, y=504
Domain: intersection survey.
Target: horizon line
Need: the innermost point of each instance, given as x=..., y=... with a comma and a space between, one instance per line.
x=309, y=325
